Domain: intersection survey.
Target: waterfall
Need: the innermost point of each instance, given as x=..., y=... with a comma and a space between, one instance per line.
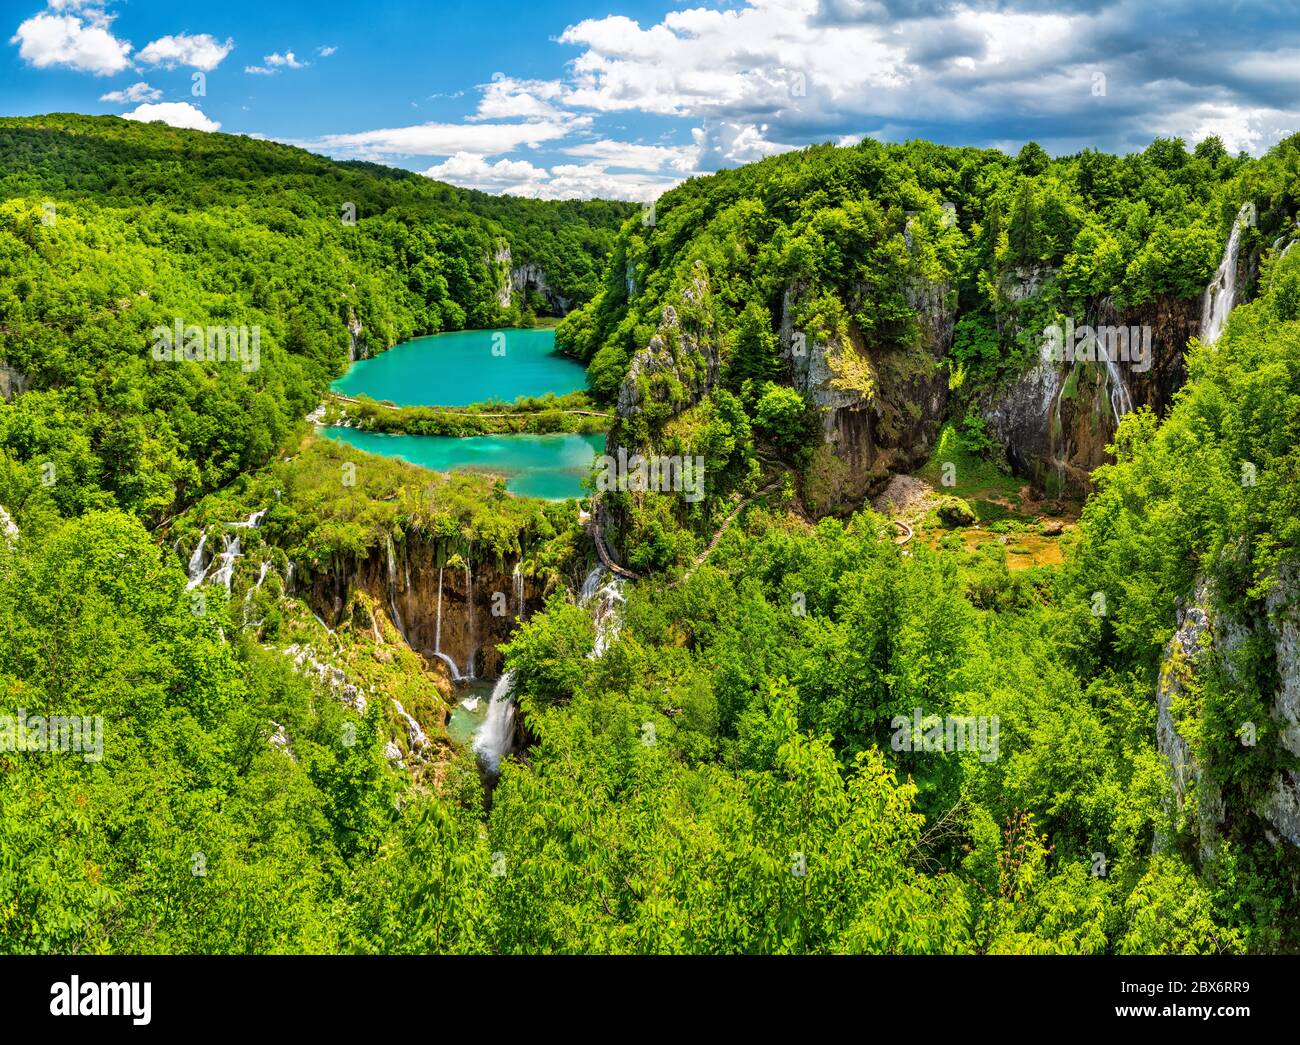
x=226, y=562
x=591, y=585
x=248, y=595
x=1121, y=402
x=252, y=521
x=392, y=589
x=518, y=579
x=288, y=578
x=418, y=739
x=473, y=645
x=437, y=636
x=608, y=597
x=195, y=567
x=456, y=676
x=437, y=620
x=495, y=737
x=1221, y=294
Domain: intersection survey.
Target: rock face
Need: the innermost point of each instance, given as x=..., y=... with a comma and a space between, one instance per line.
x=681, y=362
x=531, y=279
x=880, y=406
x=1056, y=419
x=1204, y=641
x=453, y=613
x=12, y=381
x=502, y=260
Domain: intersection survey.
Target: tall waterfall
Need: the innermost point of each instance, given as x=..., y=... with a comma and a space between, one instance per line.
x=195, y=567
x=437, y=620
x=1121, y=402
x=495, y=737
x=437, y=635
x=518, y=580
x=1221, y=294
x=473, y=638
x=392, y=590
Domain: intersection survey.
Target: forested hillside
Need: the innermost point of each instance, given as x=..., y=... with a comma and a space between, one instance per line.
x=901, y=289
x=110, y=228
x=748, y=748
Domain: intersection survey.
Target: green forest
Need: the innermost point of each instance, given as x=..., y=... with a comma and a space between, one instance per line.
x=731, y=747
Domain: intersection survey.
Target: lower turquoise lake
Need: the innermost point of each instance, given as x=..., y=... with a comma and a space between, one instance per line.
x=549, y=466
x=464, y=367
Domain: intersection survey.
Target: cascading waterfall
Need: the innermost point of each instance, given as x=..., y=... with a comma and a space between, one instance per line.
x=590, y=585
x=226, y=562
x=252, y=521
x=418, y=739
x=195, y=567
x=495, y=737
x=248, y=595
x=607, y=598
x=1221, y=294
x=518, y=579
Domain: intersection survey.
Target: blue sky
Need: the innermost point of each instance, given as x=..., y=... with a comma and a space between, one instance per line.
x=604, y=98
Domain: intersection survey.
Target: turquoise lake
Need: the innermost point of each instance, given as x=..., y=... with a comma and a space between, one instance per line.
x=461, y=368
x=549, y=466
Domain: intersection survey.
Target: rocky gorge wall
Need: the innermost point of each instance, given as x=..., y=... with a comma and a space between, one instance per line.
x=1205, y=642
x=453, y=609
x=1056, y=419
x=880, y=406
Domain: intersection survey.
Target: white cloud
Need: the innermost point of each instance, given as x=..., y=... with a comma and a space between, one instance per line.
x=288, y=60
x=506, y=98
x=447, y=139
x=203, y=51
x=66, y=40
x=178, y=114
x=681, y=158
x=474, y=172
x=325, y=52
x=137, y=92
x=563, y=181
x=277, y=61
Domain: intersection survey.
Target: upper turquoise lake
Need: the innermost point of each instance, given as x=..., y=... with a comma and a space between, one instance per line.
x=464, y=367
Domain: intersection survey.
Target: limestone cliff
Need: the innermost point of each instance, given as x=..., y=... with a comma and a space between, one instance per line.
x=682, y=360
x=530, y=278
x=1206, y=639
x=880, y=405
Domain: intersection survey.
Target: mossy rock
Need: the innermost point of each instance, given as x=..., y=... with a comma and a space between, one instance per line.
x=953, y=512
